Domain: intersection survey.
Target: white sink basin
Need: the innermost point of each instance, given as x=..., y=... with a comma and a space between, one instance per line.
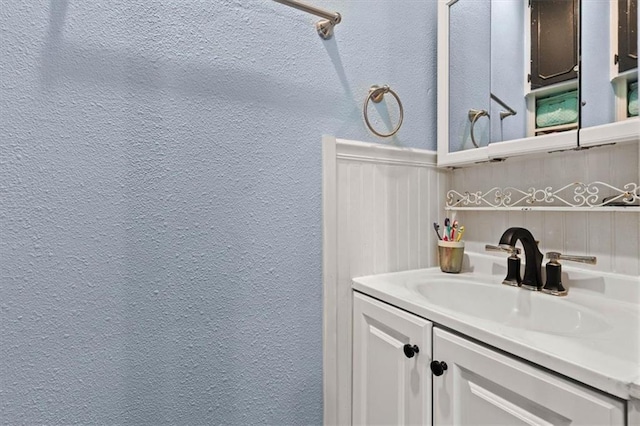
x=591, y=335
x=511, y=306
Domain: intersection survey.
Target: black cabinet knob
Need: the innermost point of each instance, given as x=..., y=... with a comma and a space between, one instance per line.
x=410, y=351
x=438, y=367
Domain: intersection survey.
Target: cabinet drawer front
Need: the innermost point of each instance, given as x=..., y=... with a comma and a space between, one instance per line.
x=482, y=386
x=388, y=386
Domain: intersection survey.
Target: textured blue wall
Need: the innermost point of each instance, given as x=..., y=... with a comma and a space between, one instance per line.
x=160, y=200
x=469, y=72
x=507, y=69
x=598, y=93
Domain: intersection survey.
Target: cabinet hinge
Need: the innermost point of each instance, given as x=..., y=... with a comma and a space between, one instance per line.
x=615, y=59
x=528, y=78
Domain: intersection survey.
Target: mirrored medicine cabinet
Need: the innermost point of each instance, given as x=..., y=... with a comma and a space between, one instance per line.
x=522, y=77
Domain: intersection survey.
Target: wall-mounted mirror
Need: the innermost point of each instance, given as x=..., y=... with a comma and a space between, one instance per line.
x=527, y=76
x=508, y=78
x=609, y=71
x=510, y=81
x=534, y=67
x=469, y=75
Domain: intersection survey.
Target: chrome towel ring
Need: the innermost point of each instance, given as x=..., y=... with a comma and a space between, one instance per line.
x=376, y=94
x=474, y=115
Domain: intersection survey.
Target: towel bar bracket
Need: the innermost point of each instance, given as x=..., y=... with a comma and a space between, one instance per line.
x=324, y=26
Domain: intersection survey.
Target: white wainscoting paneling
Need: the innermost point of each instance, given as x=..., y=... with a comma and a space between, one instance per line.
x=614, y=237
x=379, y=204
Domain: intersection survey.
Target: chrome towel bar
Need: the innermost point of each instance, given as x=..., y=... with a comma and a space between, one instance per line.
x=324, y=26
x=503, y=114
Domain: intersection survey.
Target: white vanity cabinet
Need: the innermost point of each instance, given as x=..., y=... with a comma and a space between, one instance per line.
x=482, y=387
x=389, y=387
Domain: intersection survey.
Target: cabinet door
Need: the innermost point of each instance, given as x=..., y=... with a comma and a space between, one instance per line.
x=482, y=386
x=554, y=41
x=389, y=387
x=627, y=35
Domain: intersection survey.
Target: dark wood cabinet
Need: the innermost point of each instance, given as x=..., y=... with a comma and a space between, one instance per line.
x=554, y=41
x=627, y=57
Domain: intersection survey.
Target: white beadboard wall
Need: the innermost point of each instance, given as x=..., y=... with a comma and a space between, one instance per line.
x=379, y=203
x=614, y=237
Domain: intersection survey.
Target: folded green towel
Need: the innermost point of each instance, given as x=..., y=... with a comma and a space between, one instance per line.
x=557, y=109
x=633, y=99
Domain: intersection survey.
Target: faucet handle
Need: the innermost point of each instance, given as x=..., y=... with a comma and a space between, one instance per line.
x=554, y=271
x=554, y=256
x=506, y=248
x=513, y=263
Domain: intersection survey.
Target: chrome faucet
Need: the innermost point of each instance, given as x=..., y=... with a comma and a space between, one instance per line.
x=532, y=279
